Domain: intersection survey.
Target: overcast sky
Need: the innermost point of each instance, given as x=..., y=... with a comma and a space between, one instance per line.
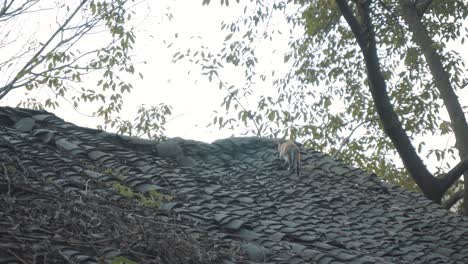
x=193, y=97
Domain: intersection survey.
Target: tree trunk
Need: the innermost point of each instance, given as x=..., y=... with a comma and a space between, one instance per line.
x=364, y=34
x=412, y=18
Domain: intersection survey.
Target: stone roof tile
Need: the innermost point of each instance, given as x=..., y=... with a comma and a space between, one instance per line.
x=236, y=190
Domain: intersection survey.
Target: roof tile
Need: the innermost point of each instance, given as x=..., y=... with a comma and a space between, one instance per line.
x=237, y=191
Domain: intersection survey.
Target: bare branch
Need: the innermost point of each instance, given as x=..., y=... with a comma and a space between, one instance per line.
x=5, y=14
x=5, y=8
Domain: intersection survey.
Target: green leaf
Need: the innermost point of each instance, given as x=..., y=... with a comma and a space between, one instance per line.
x=272, y=115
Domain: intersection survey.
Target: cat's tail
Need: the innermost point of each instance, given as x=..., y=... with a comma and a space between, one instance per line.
x=298, y=163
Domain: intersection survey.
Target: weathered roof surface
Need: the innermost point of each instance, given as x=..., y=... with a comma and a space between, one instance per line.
x=235, y=190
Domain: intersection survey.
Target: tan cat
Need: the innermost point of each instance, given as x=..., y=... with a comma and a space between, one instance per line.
x=290, y=153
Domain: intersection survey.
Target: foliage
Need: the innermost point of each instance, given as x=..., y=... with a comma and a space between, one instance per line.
x=88, y=39
x=150, y=122
x=322, y=98
x=151, y=199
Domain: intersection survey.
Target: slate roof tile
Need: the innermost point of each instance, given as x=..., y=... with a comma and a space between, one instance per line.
x=248, y=234
x=171, y=205
x=235, y=224
x=237, y=191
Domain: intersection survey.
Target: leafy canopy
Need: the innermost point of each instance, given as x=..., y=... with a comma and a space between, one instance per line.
x=323, y=98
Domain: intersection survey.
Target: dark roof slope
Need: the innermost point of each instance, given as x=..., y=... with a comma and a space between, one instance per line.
x=235, y=190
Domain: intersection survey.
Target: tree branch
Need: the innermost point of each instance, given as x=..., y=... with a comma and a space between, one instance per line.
x=346, y=140
x=393, y=15
x=31, y=64
x=351, y=19
x=442, y=81
x=392, y=126
x=240, y=104
x=5, y=15
x=5, y=8
x=453, y=199
x=422, y=6
x=454, y=174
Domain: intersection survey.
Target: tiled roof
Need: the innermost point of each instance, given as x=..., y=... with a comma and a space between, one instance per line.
x=235, y=190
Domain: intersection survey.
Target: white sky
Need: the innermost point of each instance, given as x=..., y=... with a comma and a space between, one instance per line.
x=192, y=97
